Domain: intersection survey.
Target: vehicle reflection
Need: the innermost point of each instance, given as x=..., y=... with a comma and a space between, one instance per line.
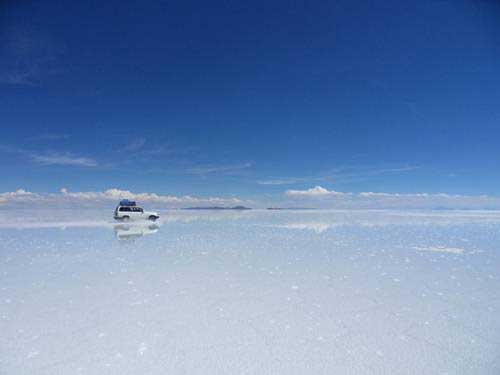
x=126, y=232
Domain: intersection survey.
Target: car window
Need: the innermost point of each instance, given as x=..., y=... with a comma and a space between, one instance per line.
x=125, y=209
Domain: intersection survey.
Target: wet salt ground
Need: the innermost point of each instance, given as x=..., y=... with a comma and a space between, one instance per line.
x=253, y=292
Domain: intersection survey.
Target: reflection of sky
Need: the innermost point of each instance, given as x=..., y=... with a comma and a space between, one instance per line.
x=317, y=220
x=266, y=292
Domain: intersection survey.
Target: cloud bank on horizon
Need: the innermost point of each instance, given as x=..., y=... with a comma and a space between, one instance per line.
x=99, y=198
x=321, y=197
x=316, y=197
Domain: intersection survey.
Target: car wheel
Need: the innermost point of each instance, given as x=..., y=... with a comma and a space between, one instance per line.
x=153, y=218
x=125, y=218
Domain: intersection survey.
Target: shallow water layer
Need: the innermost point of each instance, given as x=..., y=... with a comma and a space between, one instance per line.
x=255, y=292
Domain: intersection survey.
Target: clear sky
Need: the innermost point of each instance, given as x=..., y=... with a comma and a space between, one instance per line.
x=250, y=99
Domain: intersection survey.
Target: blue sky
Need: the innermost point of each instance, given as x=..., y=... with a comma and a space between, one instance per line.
x=250, y=100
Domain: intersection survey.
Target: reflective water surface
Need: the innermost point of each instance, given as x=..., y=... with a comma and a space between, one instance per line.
x=258, y=292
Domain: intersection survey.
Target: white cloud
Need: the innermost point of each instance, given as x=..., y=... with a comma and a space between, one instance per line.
x=51, y=158
x=28, y=56
x=316, y=191
x=136, y=144
x=19, y=195
x=98, y=198
x=116, y=194
x=323, y=198
x=63, y=159
x=338, y=175
x=48, y=137
x=218, y=169
x=281, y=181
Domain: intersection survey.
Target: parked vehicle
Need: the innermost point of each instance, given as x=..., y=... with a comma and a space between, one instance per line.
x=128, y=210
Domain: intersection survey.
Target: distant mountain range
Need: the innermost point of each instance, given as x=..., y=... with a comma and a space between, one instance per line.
x=246, y=208
x=218, y=208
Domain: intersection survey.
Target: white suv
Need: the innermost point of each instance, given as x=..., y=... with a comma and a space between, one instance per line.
x=127, y=210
